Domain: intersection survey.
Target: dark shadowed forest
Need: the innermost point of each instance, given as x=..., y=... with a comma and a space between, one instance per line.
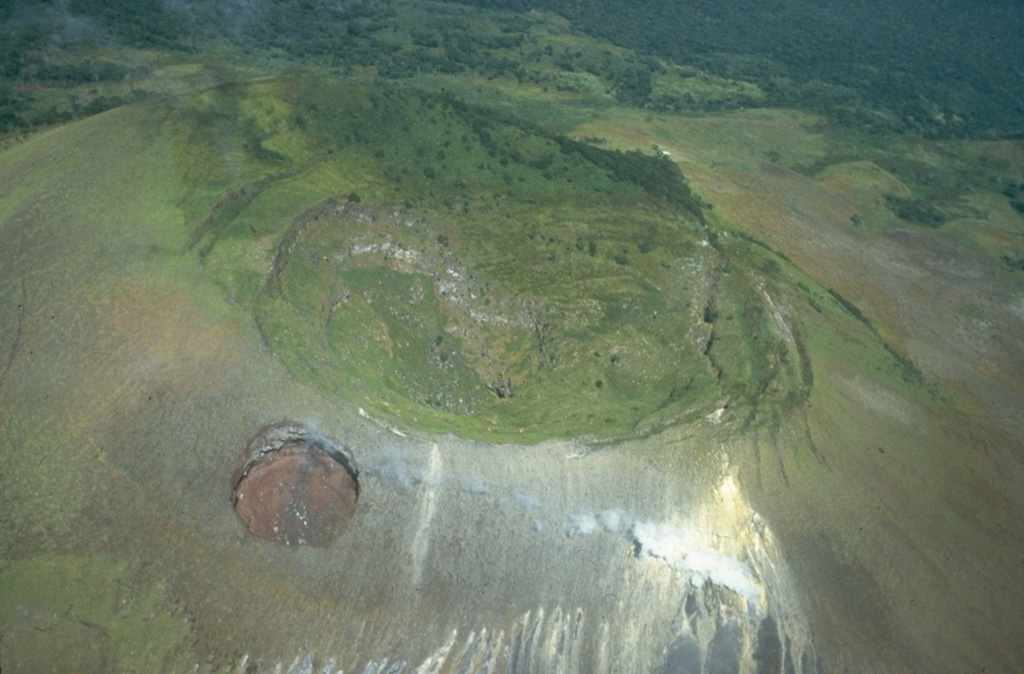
x=940, y=69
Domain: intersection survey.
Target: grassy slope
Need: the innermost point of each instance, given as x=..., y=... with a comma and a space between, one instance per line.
x=91, y=237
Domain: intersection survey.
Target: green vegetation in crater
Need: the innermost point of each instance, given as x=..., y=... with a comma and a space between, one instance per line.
x=459, y=270
x=492, y=324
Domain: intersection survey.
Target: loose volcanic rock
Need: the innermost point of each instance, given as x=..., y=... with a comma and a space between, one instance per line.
x=295, y=485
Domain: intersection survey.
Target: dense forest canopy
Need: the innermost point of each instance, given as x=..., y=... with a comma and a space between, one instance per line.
x=946, y=68
x=943, y=67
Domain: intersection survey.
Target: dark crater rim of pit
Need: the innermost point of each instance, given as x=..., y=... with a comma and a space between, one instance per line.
x=295, y=485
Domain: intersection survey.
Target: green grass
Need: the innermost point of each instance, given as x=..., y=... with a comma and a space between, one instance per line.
x=498, y=323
